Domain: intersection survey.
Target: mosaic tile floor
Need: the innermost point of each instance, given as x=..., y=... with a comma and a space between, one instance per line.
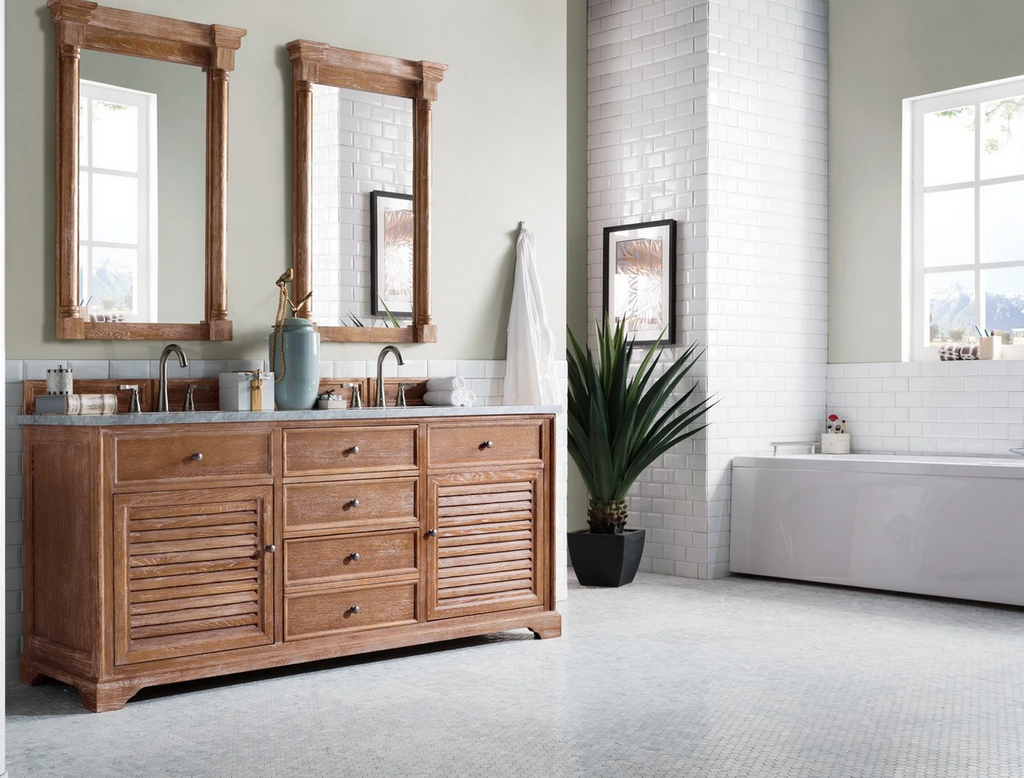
x=736, y=677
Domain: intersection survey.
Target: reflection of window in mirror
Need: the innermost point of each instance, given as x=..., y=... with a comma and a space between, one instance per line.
x=117, y=202
x=362, y=157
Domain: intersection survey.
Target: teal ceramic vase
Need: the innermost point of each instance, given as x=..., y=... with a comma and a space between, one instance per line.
x=300, y=366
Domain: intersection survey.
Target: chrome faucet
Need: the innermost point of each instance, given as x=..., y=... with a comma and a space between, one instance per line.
x=380, y=371
x=173, y=348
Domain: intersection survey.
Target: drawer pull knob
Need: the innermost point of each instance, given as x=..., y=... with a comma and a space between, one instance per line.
x=197, y=457
x=353, y=449
x=488, y=444
x=354, y=609
x=271, y=548
x=353, y=503
x=354, y=556
x=432, y=533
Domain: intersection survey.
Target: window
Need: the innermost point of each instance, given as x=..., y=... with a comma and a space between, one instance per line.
x=117, y=248
x=965, y=206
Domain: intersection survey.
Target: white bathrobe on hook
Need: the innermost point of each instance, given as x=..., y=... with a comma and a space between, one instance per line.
x=530, y=377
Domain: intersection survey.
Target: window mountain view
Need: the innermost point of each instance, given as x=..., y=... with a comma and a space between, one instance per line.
x=951, y=310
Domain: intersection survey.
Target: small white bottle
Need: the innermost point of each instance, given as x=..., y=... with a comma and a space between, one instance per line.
x=59, y=381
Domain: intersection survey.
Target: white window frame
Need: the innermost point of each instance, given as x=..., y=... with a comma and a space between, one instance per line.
x=916, y=328
x=144, y=294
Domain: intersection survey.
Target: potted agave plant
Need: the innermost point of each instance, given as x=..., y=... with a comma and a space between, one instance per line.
x=618, y=426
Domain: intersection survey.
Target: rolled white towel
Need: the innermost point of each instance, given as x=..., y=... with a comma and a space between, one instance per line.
x=450, y=398
x=469, y=397
x=450, y=384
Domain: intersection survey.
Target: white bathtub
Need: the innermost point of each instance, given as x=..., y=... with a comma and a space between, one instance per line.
x=946, y=526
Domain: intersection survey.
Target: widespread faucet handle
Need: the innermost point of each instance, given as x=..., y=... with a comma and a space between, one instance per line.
x=133, y=399
x=190, y=400
x=401, y=395
x=357, y=399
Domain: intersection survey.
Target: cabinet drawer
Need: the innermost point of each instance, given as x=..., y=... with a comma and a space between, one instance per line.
x=163, y=453
x=334, y=611
x=347, y=505
x=348, y=449
x=343, y=557
x=468, y=443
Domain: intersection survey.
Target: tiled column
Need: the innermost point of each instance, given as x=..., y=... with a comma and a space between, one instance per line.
x=714, y=113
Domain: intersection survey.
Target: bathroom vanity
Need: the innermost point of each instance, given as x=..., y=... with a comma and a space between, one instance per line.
x=164, y=547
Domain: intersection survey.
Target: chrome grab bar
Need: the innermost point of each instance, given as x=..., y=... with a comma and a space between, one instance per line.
x=814, y=444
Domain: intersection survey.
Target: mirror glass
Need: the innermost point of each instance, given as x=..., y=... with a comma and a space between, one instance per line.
x=362, y=219
x=142, y=189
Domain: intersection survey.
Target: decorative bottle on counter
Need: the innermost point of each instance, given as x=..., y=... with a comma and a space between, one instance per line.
x=295, y=361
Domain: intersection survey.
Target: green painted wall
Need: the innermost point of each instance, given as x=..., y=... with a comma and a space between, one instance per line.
x=499, y=144
x=880, y=53
x=576, y=212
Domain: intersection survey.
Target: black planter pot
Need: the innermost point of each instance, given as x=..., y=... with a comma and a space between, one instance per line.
x=605, y=560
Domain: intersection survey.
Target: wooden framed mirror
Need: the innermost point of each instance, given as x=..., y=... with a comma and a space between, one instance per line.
x=142, y=149
x=362, y=147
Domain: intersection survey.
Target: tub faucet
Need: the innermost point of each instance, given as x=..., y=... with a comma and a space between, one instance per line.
x=173, y=348
x=1017, y=451
x=380, y=371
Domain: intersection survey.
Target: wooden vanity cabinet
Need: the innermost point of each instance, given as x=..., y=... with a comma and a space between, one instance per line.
x=162, y=553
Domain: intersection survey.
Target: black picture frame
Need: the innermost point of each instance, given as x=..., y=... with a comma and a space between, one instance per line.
x=379, y=200
x=663, y=231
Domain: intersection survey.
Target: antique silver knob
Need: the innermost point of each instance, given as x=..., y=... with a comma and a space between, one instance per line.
x=197, y=457
x=354, y=609
x=271, y=548
x=354, y=556
x=488, y=443
x=353, y=503
x=432, y=533
x=354, y=450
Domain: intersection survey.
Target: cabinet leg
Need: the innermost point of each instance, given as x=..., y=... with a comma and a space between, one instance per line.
x=29, y=675
x=550, y=626
x=101, y=697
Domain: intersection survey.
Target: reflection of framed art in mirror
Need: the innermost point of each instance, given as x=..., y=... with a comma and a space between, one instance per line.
x=391, y=242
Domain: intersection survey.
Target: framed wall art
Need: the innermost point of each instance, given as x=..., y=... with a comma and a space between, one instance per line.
x=391, y=248
x=639, y=279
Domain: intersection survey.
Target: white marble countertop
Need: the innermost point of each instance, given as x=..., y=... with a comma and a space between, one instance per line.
x=213, y=417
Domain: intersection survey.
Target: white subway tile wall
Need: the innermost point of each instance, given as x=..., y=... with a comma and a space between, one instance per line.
x=951, y=408
x=483, y=376
x=647, y=80
x=767, y=236
x=361, y=142
x=714, y=113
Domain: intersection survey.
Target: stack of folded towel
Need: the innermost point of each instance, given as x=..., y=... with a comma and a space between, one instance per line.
x=951, y=353
x=449, y=391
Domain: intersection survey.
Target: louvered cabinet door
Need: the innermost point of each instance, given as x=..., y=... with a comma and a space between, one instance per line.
x=192, y=572
x=489, y=546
